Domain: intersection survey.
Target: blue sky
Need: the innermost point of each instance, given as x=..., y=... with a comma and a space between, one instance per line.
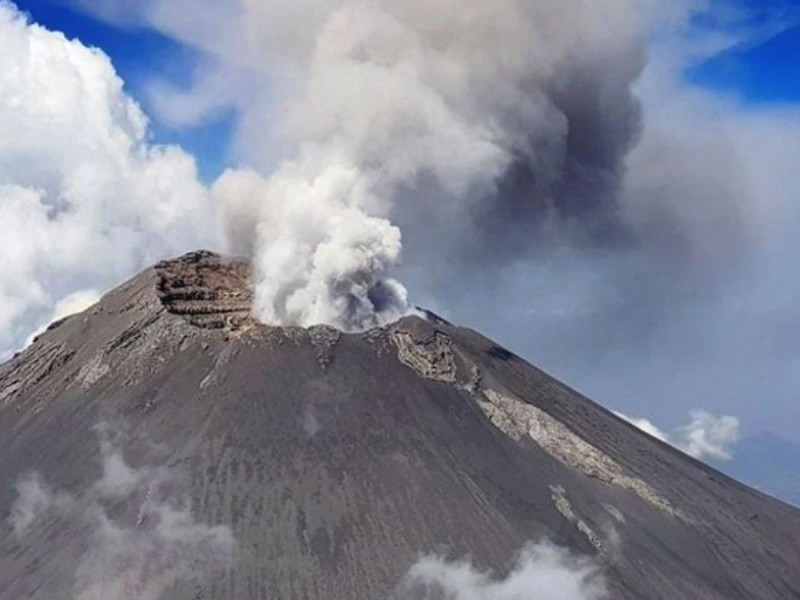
x=139, y=55
x=764, y=71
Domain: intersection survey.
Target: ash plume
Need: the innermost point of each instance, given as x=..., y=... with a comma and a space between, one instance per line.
x=453, y=120
x=137, y=525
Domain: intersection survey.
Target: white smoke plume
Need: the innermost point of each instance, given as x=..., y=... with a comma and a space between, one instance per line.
x=139, y=552
x=705, y=437
x=445, y=119
x=543, y=572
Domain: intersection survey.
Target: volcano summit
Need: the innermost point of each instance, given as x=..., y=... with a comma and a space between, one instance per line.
x=255, y=462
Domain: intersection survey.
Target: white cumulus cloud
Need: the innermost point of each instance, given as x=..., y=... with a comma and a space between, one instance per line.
x=705, y=437
x=708, y=436
x=86, y=199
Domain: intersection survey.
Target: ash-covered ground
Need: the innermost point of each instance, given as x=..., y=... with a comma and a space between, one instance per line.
x=165, y=444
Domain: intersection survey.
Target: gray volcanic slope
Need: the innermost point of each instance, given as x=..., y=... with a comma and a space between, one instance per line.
x=336, y=460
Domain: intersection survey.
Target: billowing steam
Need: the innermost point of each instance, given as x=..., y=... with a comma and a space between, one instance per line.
x=543, y=572
x=140, y=535
x=486, y=121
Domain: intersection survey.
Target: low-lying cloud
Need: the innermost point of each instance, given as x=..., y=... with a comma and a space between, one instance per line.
x=543, y=572
x=140, y=552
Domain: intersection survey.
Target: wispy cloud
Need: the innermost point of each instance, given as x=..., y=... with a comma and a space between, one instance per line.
x=136, y=553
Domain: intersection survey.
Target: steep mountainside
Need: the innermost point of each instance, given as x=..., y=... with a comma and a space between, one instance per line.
x=768, y=463
x=335, y=460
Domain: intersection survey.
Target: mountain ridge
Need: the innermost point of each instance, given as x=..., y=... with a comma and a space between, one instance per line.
x=337, y=459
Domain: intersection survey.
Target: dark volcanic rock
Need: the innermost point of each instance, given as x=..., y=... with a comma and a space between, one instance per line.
x=210, y=290
x=337, y=459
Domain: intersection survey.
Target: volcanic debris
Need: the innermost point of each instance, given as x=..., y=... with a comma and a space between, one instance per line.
x=210, y=291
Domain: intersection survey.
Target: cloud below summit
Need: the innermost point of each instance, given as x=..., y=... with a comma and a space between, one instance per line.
x=543, y=572
x=135, y=528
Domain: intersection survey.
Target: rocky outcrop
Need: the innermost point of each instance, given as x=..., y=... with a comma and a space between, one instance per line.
x=210, y=291
x=519, y=419
x=430, y=354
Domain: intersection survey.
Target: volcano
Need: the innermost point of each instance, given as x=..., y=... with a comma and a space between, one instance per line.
x=335, y=461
